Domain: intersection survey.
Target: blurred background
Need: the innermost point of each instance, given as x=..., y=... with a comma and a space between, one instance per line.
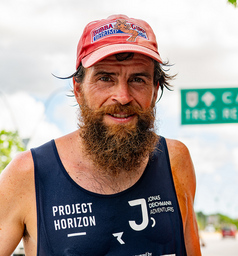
x=200, y=39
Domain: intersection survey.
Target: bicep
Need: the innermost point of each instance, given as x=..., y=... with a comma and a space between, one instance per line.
x=11, y=231
x=12, y=204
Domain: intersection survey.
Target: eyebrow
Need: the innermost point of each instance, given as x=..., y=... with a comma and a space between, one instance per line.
x=144, y=74
x=104, y=73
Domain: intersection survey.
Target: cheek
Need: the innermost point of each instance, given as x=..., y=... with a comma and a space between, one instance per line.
x=147, y=99
x=94, y=98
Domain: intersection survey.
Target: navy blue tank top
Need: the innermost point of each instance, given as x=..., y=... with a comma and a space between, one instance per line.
x=143, y=220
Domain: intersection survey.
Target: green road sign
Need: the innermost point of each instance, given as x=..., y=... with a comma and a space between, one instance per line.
x=209, y=106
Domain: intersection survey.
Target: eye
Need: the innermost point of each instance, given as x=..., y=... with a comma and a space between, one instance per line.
x=137, y=80
x=105, y=79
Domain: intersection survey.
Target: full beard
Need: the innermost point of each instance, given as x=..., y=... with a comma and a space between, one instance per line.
x=118, y=147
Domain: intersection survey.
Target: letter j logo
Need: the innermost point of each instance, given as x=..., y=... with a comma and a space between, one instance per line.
x=145, y=218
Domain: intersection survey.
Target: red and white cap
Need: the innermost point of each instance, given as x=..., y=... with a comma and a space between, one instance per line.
x=113, y=35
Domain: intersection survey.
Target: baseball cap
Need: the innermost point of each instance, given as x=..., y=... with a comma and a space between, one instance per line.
x=116, y=34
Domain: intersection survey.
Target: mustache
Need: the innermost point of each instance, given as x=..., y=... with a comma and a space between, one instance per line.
x=89, y=115
x=118, y=108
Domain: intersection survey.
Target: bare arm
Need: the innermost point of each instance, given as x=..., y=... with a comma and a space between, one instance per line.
x=16, y=183
x=185, y=185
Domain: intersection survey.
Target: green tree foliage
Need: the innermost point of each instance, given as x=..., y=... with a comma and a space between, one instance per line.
x=201, y=220
x=225, y=220
x=221, y=220
x=10, y=144
x=234, y=2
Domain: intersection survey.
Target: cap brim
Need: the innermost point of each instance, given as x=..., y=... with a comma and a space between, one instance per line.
x=108, y=50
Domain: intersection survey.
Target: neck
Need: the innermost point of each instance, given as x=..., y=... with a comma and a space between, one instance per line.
x=86, y=174
x=108, y=182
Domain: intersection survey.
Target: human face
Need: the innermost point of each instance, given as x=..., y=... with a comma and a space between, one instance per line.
x=127, y=82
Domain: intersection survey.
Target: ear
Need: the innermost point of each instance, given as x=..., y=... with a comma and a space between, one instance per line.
x=77, y=91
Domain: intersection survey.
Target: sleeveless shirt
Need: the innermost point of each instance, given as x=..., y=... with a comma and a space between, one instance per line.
x=143, y=220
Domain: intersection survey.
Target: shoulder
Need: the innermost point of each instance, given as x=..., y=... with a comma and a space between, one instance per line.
x=179, y=154
x=20, y=166
x=17, y=178
x=177, y=149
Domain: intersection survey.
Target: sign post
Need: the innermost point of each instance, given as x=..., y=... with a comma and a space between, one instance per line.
x=209, y=106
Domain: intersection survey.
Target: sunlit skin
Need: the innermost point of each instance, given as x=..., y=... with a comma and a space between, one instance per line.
x=126, y=82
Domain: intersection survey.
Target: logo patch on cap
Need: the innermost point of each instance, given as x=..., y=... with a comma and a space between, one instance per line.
x=121, y=26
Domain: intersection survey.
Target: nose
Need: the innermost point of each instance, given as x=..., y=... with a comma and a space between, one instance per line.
x=122, y=94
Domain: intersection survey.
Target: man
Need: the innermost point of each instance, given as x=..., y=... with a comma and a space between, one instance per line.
x=113, y=187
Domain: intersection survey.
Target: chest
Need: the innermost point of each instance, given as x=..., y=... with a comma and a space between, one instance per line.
x=143, y=218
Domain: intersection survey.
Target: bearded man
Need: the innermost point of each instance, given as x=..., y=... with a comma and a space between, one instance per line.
x=112, y=187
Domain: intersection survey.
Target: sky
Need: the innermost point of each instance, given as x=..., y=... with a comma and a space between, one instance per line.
x=199, y=38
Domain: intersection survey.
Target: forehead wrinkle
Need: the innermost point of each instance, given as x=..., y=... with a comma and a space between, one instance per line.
x=137, y=59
